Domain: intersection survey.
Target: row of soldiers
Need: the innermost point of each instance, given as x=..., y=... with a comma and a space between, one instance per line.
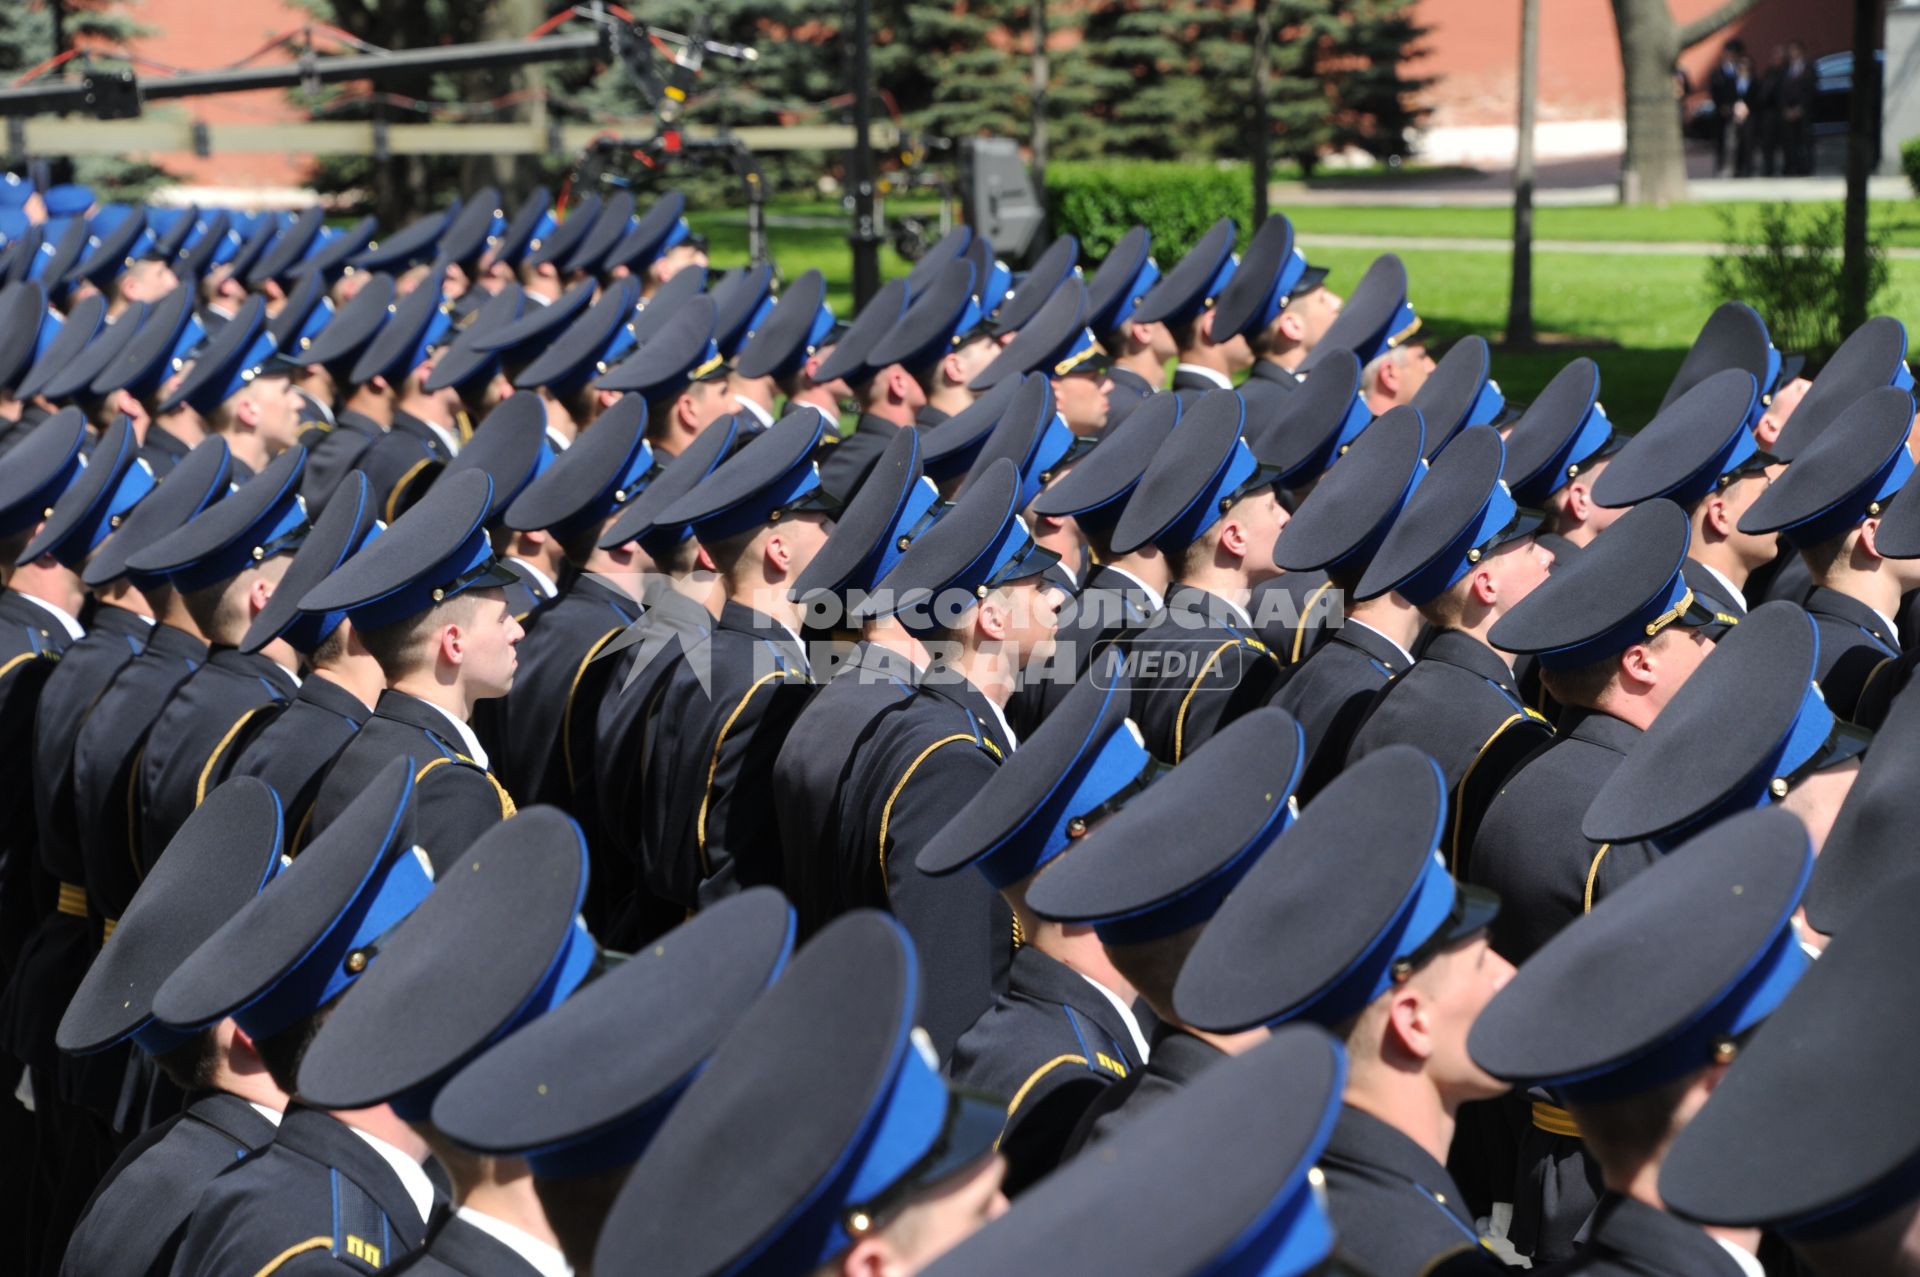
x=516, y=788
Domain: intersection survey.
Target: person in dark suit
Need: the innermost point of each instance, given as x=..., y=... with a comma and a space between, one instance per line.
x=1210, y=508
x=760, y=518
x=972, y=591
x=1725, y=89
x=1150, y=894
x=291, y=748
x=361, y=413
x=1793, y=100
x=228, y=850
x=1707, y=938
x=1352, y=922
x=331, y=1191
x=425, y=598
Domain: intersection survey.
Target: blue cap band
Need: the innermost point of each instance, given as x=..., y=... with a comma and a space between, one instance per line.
x=1456, y=560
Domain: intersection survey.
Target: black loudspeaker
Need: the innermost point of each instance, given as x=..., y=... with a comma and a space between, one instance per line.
x=999, y=196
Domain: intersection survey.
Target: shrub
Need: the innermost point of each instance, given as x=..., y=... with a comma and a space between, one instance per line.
x=1910, y=162
x=1177, y=202
x=1787, y=265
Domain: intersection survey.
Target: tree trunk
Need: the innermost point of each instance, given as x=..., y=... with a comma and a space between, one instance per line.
x=1653, y=170
x=1262, y=124
x=1862, y=155
x=1520, y=335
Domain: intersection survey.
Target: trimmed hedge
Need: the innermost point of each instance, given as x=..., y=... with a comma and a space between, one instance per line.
x=1099, y=202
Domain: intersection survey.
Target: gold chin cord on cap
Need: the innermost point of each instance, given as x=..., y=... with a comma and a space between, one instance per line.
x=1671, y=615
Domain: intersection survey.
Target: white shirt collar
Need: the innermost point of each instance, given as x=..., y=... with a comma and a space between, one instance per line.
x=558, y=440
x=467, y=738
x=1213, y=375
x=272, y=1115
x=1388, y=637
x=1126, y=1015
x=68, y=621
x=542, y=1258
x=541, y=579
x=1893, y=629
x=1739, y=595
x=1239, y=613
x=446, y=436
x=1159, y=600
x=1748, y=1261
x=760, y=414
x=413, y=1177
x=1000, y=715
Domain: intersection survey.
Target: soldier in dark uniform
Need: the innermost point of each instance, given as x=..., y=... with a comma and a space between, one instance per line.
x=1056, y=344
x=1305, y=434
x=952, y=449
x=333, y=1192
x=1208, y=505
x=1335, y=533
x=1379, y=326
x=562, y=372
x=1827, y=506
x=39, y=597
x=1183, y=300
x=1352, y=922
x=303, y=316
x=497, y=945
x=777, y=351
x=1617, y=633
x=1707, y=942
x=512, y=448
x=227, y=852
x=57, y=946
x=1463, y=553
x=942, y=343
x=1460, y=393
x=1057, y=263
x=1282, y=306
x=1700, y=454
x=894, y=507
x=421, y=438
x=1148, y=880
x=837, y=1200
x=146, y=366
x=972, y=595
x=680, y=373
x=1247, y=1134
x=292, y=747
x=886, y=393
x=425, y=599
x=1823, y=1078
x=1140, y=351
x=107, y=751
x=1872, y=356
x=361, y=414
x=544, y=726
x=1119, y=592
x=28, y=326
x=1749, y=728
x=610, y=1088
x=1034, y=436
x=679, y=603
x=720, y=714
x=1063, y=1031
x=223, y=564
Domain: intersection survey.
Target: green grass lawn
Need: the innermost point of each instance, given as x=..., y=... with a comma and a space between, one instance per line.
x=1696, y=223
x=1642, y=311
